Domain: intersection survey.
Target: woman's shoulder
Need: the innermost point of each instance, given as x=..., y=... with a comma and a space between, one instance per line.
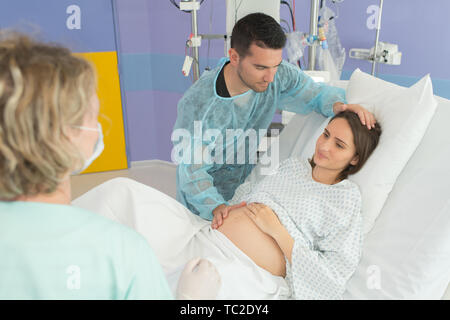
x=294, y=166
x=295, y=162
x=350, y=187
x=350, y=199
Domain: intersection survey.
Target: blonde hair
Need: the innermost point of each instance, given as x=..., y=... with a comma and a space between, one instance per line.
x=44, y=90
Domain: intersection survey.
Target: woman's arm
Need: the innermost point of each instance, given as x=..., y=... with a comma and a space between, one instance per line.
x=266, y=219
x=315, y=273
x=285, y=241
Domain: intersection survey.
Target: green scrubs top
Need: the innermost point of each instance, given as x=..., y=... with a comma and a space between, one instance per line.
x=50, y=251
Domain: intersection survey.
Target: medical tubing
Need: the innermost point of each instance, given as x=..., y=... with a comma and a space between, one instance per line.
x=290, y=11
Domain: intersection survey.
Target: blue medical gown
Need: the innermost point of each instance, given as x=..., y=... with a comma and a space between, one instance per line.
x=204, y=185
x=51, y=251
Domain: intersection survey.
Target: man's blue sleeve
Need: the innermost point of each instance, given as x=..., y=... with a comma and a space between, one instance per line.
x=300, y=94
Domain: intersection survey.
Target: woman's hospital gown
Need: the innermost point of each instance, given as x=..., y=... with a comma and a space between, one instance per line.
x=324, y=221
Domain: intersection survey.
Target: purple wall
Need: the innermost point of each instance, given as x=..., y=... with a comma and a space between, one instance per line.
x=153, y=33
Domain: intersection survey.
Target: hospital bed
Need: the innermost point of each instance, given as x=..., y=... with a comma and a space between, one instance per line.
x=421, y=236
x=405, y=255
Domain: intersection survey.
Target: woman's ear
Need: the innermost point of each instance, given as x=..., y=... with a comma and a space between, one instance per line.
x=355, y=160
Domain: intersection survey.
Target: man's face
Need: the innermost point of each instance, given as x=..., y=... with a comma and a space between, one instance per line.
x=258, y=68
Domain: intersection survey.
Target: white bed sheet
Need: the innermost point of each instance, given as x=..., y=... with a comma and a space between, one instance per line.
x=298, y=125
x=176, y=236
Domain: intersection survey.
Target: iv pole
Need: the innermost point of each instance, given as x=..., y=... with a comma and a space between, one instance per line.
x=377, y=38
x=313, y=20
x=196, y=68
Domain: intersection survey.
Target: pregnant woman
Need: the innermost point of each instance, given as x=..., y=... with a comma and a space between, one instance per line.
x=304, y=221
x=299, y=236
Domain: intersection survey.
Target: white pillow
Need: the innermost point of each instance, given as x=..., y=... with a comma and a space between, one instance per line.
x=408, y=250
x=404, y=119
x=404, y=115
x=407, y=253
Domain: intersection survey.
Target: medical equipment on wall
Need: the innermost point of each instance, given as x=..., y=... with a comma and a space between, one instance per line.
x=236, y=9
x=381, y=52
x=386, y=53
x=331, y=57
x=322, y=55
x=194, y=41
x=325, y=51
x=296, y=42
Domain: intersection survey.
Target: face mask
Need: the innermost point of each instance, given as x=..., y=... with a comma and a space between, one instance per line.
x=98, y=148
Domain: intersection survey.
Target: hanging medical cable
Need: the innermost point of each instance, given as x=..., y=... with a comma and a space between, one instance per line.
x=336, y=6
x=236, y=9
x=293, y=13
x=291, y=7
x=290, y=11
x=288, y=30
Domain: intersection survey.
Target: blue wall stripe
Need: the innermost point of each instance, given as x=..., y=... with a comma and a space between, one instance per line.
x=162, y=72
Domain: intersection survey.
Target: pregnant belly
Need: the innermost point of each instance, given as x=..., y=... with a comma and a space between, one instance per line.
x=257, y=245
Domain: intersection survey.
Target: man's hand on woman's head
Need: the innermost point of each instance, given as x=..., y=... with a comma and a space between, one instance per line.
x=221, y=212
x=366, y=117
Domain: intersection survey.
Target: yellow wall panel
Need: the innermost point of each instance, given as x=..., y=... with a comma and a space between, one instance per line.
x=111, y=117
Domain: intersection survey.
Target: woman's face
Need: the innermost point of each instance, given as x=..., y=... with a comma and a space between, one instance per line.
x=335, y=148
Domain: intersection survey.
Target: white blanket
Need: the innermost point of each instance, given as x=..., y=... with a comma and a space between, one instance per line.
x=176, y=235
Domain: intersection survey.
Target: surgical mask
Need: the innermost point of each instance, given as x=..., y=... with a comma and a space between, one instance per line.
x=98, y=148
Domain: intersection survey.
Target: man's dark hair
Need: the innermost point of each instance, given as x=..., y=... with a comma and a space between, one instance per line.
x=260, y=29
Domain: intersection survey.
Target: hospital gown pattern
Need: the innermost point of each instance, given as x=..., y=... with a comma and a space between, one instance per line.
x=324, y=221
